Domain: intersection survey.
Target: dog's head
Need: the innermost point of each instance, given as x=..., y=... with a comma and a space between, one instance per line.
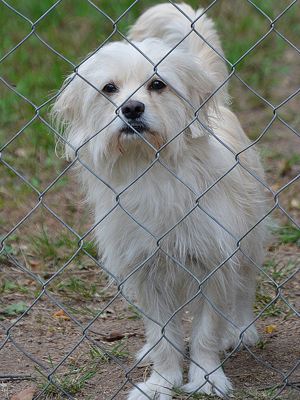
x=121, y=101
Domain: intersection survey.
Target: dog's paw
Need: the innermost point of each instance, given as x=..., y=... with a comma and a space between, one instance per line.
x=157, y=387
x=216, y=384
x=146, y=391
x=249, y=338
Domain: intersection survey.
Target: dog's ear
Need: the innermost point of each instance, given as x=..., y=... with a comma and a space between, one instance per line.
x=67, y=105
x=205, y=97
x=66, y=114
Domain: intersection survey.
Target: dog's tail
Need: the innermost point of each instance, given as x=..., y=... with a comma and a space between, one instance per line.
x=172, y=23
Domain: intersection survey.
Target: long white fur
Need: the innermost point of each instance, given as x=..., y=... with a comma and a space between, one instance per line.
x=157, y=200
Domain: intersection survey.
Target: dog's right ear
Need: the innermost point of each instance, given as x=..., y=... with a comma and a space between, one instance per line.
x=66, y=114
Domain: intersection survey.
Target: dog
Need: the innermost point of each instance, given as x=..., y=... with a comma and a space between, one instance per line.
x=176, y=191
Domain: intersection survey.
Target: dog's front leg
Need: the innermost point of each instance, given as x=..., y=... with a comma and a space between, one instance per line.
x=164, y=346
x=241, y=325
x=206, y=374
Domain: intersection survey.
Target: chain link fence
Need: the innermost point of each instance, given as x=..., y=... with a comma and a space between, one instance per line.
x=67, y=331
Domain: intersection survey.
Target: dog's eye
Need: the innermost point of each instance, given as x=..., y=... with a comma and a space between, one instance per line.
x=110, y=88
x=157, y=85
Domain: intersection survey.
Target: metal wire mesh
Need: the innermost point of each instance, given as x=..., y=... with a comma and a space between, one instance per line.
x=83, y=332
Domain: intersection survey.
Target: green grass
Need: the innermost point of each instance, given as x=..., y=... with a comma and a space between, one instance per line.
x=91, y=249
x=78, y=373
x=266, y=291
x=49, y=248
x=13, y=310
x=288, y=235
x=76, y=28
x=294, y=160
x=118, y=350
x=134, y=314
x=98, y=356
x=10, y=246
x=82, y=310
x=275, y=309
x=8, y=286
x=71, y=381
x=279, y=271
x=75, y=286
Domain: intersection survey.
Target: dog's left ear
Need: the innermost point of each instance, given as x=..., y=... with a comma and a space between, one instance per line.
x=206, y=94
x=201, y=124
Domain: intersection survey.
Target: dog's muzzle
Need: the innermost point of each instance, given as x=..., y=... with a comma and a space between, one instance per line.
x=134, y=127
x=132, y=112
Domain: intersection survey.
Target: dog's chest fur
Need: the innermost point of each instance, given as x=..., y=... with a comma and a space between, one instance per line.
x=161, y=219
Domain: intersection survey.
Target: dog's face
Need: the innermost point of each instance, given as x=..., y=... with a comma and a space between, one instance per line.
x=122, y=102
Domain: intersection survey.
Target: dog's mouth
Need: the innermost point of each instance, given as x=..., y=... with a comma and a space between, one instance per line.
x=138, y=130
x=134, y=128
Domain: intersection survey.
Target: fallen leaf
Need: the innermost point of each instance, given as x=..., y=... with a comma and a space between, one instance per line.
x=35, y=264
x=270, y=328
x=29, y=282
x=26, y=394
x=114, y=336
x=60, y=314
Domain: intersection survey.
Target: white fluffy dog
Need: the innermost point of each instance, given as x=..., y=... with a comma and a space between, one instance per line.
x=171, y=178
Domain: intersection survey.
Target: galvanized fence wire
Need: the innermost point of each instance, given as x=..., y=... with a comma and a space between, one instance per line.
x=87, y=329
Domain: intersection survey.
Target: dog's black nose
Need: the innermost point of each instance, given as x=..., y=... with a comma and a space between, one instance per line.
x=133, y=109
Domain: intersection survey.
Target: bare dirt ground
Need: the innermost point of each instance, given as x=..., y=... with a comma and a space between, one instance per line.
x=102, y=353
x=48, y=336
